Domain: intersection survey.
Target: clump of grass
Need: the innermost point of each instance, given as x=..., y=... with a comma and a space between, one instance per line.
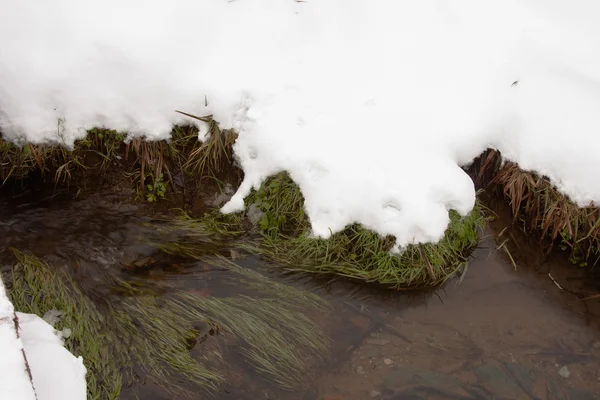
x=214, y=153
x=543, y=208
x=36, y=289
x=151, y=166
x=19, y=161
x=355, y=253
x=133, y=330
x=114, y=337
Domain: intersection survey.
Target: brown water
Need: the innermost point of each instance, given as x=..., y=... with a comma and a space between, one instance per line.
x=504, y=331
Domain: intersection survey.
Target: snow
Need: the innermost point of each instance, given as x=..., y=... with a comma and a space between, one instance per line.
x=56, y=373
x=15, y=383
x=372, y=106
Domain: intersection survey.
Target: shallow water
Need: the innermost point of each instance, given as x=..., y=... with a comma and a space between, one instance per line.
x=503, y=331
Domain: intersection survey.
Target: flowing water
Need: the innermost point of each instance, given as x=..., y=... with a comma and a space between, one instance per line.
x=504, y=330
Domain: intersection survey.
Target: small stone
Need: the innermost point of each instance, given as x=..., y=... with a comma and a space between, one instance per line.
x=387, y=361
x=377, y=342
x=52, y=316
x=254, y=213
x=360, y=370
x=564, y=372
x=66, y=333
x=228, y=189
x=375, y=393
x=221, y=199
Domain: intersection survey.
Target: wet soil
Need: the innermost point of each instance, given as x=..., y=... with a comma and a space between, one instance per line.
x=523, y=326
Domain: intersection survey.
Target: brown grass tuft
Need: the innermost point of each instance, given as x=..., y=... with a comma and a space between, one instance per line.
x=542, y=207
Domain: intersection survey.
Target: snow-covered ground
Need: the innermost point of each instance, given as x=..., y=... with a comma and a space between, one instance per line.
x=15, y=382
x=371, y=105
x=55, y=372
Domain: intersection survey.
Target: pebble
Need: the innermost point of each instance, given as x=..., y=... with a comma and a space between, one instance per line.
x=360, y=370
x=564, y=372
x=387, y=361
x=66, y=333
x=254, y=213
x=375, y=393
x=52, y=316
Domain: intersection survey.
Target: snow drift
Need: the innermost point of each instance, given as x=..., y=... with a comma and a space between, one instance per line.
x=55, y=373
x=372, y=106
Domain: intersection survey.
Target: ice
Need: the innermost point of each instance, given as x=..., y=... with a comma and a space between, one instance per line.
x=56, y=373
x=372, y=106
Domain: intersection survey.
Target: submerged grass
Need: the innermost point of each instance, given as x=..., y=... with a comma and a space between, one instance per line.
x=355, y=253
x=34, y=288
x=542, y=208
x=135, y=331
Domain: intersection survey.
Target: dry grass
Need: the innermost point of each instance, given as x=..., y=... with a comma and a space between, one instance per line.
x=151, y=166
x=542, y=208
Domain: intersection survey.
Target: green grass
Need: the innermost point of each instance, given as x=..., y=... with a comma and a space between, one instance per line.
x=36, y=289
x=283, y=237
x=133, y=330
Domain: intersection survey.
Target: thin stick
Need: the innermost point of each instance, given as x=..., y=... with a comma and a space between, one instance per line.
x=556, y=283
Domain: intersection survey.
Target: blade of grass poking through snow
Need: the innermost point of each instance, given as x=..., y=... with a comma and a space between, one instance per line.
x=213, y=154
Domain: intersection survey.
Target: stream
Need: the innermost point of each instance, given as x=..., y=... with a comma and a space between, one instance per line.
x=508, y=328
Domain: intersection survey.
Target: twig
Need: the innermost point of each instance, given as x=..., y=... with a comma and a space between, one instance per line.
x=556, y=283
x=207, y=119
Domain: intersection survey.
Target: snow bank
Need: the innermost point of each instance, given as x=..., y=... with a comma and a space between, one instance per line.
x=371, y=105
x=14, y=379
x=56, y=373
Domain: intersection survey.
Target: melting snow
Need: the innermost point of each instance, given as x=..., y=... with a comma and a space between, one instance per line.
x=370, y=105
x=56, y=373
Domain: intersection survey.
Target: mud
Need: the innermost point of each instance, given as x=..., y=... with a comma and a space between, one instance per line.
x=523, y=326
